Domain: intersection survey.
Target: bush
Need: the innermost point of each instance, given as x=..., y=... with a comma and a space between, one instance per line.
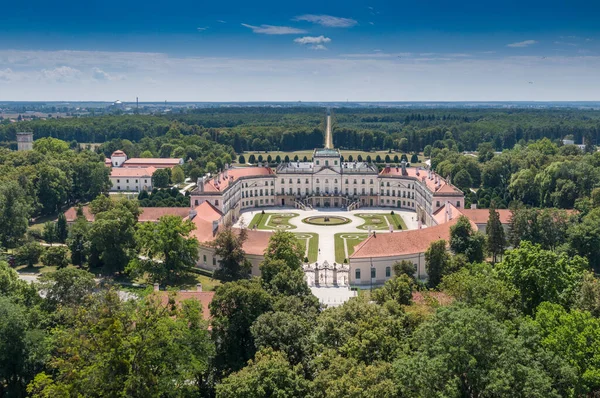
x=345, y=261
x=392, y=212
x=55, y=256
x=305, y=259
x=29, y=253
x=399, y=226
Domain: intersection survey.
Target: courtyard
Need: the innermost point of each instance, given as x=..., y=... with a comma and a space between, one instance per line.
x=329, y=234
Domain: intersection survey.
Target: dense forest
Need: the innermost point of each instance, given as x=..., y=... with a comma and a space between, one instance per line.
x=287, y=129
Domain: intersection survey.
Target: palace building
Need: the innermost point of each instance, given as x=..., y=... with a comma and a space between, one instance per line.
x=327, y=181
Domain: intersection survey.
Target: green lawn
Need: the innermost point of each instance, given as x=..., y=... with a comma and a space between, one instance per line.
x=352, y=240
x=377, y=221
x=313, y=246
x=271, y=221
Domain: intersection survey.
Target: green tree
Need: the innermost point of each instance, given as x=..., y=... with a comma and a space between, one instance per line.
x=127, y=348
x=23, y=349
x=414, y=158
x=286, y=332
x=29, y=253
x=62, y=229
x=229, y=249
x=362, y=330
x=405, y=267
x=14, y=213
x=339, y=376
x=177, y=175
x=463, y=180
x=112, y=237
x=478, y=285
x=269, y=374
x=496, y=241
x=49, y=233
x=242, y=159
x=588, y=297
x=584, y=238
x=146, y=154
x=53, y=188
x=463, y=351
x=160, y=178
x=574, y=337
x=437, y=262
x=234, y=308
x=79, y=241
x=285, y=246
x=55, y=256
x=67, y=286
x=167, y=250
x=427, y=151
x=463, y=240
x=398, y=289
x=542, y=275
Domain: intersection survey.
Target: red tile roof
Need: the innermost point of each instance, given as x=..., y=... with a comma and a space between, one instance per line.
x=430, y=183
x=155, y=162
x=118, y=153
x=402, y=243
x=213, y=186
x=204, y=298
x=207, y=211
x=132, y=172
x=481, y=216
x=147, y=214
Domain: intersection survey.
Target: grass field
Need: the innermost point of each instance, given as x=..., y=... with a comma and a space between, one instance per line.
x=377, y=221
x=345, y=154
x=313, y=245
x=352, y=239
x=270, y=221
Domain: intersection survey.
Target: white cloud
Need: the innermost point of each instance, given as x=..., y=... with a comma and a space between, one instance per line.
x=221, y=21
x=6, y=75
x=312, y=40
x=159, y=77
x=318, y=47
x=274, y=30
x=61, y=74
x=201, y=29
x=327, y=20
x=525, y=43
x=99, y=74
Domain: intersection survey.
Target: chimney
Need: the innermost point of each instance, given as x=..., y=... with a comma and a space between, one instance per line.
x=199, y=287
x=156, y=287
x=473, y=205
x=192, y=213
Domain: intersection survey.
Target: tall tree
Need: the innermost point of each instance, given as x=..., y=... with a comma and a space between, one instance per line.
x=14, y=213
x=112, y=236
x=542, y=275
x=437, y=262
x=62, y=229
x=268, y=375
x=234, y=308
x=463, y=240
x=127, y=348
x=167, y=250
x=79, y=241
x=485, y=360
x=233, y=264
x=496, y=241
x=160, y=178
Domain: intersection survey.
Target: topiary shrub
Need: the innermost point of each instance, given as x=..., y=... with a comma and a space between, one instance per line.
x=399, y=226
x=305, y=259
x=392, y=212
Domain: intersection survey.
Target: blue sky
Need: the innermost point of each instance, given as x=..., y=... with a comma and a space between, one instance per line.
x=310, y=50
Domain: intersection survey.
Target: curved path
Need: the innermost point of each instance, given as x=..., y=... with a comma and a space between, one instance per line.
x=327, y=233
